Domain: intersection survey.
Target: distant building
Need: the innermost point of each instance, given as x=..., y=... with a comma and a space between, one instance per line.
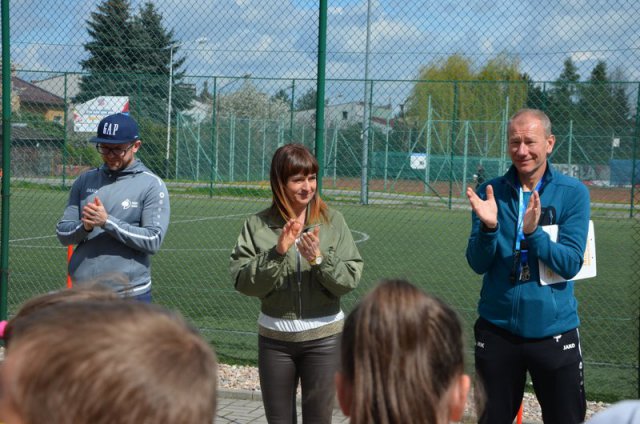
x=56, y=85
x=346, y=114
x=37, y=100
x=198, y=113
x=34, y=152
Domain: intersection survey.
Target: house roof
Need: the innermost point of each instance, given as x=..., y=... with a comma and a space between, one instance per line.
x=32, y=94
x=22, y=132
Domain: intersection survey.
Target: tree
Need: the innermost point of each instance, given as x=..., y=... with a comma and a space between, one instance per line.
x=455, y=77
x=564, y=96
x=503, y=71
x=205, y=95
x=282, y=95
x=594, y=99
x=537, y=98
x=110, y=53
x=438, y=87
x=248, y=102
x=458, y=93
x=620, y=96
x=153, y=43
x=308, y=100
x=603, y=105
x=129, y=56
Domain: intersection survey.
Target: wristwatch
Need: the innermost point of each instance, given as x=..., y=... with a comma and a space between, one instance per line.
x=317, y=260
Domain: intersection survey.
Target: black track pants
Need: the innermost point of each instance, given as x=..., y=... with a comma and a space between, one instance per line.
x=554, y=363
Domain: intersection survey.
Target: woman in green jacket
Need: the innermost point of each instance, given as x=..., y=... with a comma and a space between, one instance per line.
x=299, y=258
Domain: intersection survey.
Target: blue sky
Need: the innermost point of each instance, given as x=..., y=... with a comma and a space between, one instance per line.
x=278, y=38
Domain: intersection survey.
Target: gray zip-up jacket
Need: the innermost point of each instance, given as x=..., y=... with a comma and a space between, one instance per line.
x=137, y=202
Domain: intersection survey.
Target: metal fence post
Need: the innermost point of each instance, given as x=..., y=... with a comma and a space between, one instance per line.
x=322, y=62
x=249, y=151
x=214, y=133
x=452, y=139
x=636, y=225
x=5, y=171
x=427, y=165
x=64, y=139
x=465, y=158
x=570, y=153
x=292, y=108
x=633, y=166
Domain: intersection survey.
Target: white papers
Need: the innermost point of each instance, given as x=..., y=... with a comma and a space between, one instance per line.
x=588, y=270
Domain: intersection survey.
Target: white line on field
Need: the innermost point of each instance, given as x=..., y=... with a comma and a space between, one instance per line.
x=32, y=238
x=20, y=246
x=364, y=236
x=197, y=250
x=209, y=218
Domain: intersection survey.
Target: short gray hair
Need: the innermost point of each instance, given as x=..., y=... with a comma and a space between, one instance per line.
x=542, y=117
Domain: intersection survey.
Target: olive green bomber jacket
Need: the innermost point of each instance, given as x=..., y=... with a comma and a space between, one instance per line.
x=259, y=270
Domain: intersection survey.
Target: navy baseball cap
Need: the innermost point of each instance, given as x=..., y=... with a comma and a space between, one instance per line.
x=117, y=129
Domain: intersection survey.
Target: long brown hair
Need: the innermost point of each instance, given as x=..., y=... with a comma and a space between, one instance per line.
x=401, y=351
x=289, y=160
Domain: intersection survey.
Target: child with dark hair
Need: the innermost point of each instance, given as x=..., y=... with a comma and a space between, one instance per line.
x=402, y=359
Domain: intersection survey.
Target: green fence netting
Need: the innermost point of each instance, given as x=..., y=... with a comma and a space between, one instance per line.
x=417, y=99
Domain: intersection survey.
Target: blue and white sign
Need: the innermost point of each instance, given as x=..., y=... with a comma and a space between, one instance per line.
x=87, y=116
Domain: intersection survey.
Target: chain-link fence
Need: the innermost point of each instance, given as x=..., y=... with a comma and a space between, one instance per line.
x=416, y=104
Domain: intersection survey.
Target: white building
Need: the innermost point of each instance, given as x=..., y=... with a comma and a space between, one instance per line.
x=56, y=85
x=345, y=114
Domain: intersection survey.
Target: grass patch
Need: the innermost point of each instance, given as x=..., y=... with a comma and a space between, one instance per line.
x=425, y=244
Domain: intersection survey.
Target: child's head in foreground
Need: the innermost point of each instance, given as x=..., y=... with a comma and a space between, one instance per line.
x=94, y=362
x=402, y=358
x=89, y=292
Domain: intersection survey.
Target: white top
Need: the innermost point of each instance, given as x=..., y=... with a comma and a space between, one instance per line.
x=296, y=325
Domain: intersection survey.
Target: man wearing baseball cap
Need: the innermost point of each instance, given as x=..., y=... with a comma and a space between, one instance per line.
x=117, y=214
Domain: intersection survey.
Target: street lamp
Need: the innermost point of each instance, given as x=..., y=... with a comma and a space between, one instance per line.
x=199, y=41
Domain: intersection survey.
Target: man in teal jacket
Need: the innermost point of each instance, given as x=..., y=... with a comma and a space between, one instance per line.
x=524, y=325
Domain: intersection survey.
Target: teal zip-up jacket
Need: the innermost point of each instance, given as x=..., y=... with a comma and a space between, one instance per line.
x=258, y=270
x=118, y=255
x=527, y=308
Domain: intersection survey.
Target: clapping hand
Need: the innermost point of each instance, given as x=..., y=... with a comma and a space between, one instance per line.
x=309, y=244
x=532, y=214
x=94, y=214
x=288, y=236
x=486, y=210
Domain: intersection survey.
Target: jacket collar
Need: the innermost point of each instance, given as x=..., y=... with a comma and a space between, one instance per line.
x=135, y=168
x=512, y=175
x=273, y=218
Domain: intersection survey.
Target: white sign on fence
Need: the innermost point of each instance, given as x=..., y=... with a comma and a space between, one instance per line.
x=418, y=161
x=87, y=116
